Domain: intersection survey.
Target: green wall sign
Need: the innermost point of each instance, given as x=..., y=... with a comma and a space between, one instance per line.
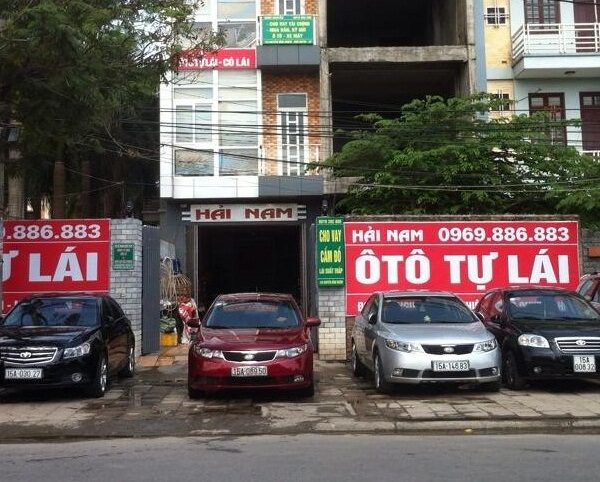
x=287, y=29
x=122, y=256
x=330, y=252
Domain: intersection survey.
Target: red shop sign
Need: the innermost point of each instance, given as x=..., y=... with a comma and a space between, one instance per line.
x=466, y=258
x=224, y=59
x=51, y=256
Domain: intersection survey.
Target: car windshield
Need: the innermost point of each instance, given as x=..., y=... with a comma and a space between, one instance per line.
x=54, y=312
x=550, y=306
x=430, y=309
x=252, y=314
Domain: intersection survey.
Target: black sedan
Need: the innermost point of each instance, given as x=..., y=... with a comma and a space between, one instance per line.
x=62, y=340
x=544, y=333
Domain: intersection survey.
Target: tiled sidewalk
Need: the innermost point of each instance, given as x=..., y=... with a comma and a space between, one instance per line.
x=155, y=403
x=167, y=356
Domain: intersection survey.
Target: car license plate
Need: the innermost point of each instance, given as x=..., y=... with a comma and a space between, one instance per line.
x=584, y=364
x=450, y=366
x=23, y=373
x=249, y=372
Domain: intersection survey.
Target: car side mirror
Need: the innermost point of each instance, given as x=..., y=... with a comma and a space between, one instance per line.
x=193, y=323
x=312, y=321
x=372, y=318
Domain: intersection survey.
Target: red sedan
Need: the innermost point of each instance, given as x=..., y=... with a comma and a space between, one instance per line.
x=252, y=340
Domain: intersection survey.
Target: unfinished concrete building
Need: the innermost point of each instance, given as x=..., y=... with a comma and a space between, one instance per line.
x=381, y=54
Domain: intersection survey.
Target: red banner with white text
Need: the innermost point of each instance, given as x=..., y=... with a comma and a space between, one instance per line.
x=223, y=59
x=466, y=258
x=51, y=256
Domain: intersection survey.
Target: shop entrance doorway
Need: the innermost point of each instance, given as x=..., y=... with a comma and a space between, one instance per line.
x=241, y=258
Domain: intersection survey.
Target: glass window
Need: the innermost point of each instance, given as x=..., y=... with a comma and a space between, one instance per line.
x=236, y=9
x=586, y=289
x=201, y=31
x=503, y=101
x=425, y=309
x=238, y=162
x=367, y=307
x=194, y=162
x=290, y=7
x=294, y=101
x=237, y=78
x=496, y=16
x=193, y=94
x=55, y=311
x=554, y=105
x=542, y=11
x=372, y=314
x=193, y=123
x=237, y=85
x=239, y=34
x=238, y=123
x=195, y=78
x=203, y=7
x=537, y=306
x=252, y=314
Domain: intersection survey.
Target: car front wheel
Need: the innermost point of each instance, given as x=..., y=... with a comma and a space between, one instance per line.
x=358, y=368
x=381, y=384
x=98, y=387
x=512, y=377
x=129, y=369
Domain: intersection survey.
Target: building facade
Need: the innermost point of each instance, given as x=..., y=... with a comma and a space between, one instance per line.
x=243, y=130
x=545, y=55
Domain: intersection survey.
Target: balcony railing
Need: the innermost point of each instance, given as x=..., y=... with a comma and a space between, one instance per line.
x=595, y=154
x=556, y=39
x=295, y=160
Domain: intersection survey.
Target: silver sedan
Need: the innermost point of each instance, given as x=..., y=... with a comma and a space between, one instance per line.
x=423, y=337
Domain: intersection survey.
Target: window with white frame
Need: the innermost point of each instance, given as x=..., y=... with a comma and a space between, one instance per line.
x=292, y=110
x=236, y=19
x=290, y=7
x=234, y=9
x=496, y=16
x=238, y=123
x=241, y=35
x=214, y=112
x=193, y=123
x=502, y=101
x=542, y=11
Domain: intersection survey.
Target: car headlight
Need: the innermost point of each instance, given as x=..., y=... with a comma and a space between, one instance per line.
x=291, y=352
x=77, y=351
x=535, y=341
x=207, y=352
x=488, y=345
x=404, y=346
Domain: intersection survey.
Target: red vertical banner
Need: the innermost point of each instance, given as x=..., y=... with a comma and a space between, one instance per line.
x=54, y=256
x=466, y=258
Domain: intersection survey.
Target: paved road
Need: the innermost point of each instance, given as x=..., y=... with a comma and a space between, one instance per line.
x=155, y=403
x=306, y=458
